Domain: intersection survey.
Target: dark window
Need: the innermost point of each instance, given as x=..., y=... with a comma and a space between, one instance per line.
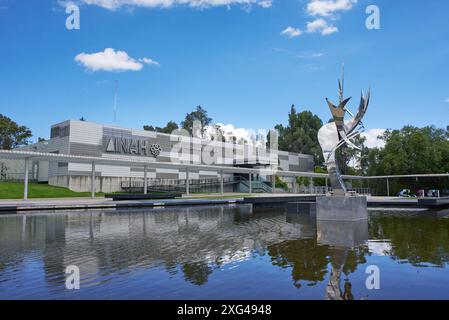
x=54, y=132
x=60, y=132
x=64, y=131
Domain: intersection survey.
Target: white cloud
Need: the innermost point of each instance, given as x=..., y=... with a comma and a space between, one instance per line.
x=372, y=140
x=116, y=4
x=317, y=55
x=257, y=138
x=149, y=61
x=112, y=61
x=301, y=55
x=322, y=26
x=291, y=32
x=65, y=3
x=329, y=30
x=324, y=11
x=265, y=3
x=327, y=8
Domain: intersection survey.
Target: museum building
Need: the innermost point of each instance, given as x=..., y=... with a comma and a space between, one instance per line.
x=82, y=138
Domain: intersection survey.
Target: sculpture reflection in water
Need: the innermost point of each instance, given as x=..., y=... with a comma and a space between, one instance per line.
x=338, y=134
x=340, y=245
x=344, y=237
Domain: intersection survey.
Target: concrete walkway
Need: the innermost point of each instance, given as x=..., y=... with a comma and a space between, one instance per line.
x=12, y=206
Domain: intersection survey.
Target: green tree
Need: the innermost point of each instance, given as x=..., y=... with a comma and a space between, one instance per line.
x=320, y=181
x=410, y=150
x=199, y=115
x=281, y=184
x=301, y=134
x=349, y=158
x=169, y=128
x=11, y=134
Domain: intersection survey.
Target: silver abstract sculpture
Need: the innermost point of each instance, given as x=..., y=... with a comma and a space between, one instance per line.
x=339, y=133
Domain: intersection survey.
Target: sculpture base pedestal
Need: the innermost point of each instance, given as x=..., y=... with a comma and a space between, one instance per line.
x=301, y=207
x=341, y=208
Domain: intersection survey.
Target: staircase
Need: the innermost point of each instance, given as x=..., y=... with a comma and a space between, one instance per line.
x=258, y=186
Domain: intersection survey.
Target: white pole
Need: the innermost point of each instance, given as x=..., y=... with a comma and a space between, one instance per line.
x=311, y=186
x=274, y=184
x=221, y=183
x=145, y=180
x=388, y=187
x=115, y=101
x=25, y=181
x=250, y=183
x=295, y=189
x=92, y=181
x=187, y=182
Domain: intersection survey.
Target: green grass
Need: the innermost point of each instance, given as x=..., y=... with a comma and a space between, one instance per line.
x=14, y=190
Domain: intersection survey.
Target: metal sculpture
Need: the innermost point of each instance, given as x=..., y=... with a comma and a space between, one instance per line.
x=339, y=133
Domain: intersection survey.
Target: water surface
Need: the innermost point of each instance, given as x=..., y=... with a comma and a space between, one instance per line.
x=222, y=253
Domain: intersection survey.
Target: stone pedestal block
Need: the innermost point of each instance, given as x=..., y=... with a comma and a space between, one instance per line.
x=341, y=208
x=302, y=207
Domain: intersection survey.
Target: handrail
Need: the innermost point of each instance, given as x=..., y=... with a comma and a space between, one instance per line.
x=256, y=184
x=42, y=156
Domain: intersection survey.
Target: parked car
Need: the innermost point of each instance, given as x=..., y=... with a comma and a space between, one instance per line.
x=405, y=193
x=433, y=193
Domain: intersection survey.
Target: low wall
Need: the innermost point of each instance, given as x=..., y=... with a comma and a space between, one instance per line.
x=59, y=181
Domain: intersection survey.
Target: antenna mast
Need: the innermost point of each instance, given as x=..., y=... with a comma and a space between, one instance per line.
x=342, y=83
x=115, y=101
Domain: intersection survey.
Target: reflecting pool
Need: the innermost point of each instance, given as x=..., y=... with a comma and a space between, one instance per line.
x=228, y=252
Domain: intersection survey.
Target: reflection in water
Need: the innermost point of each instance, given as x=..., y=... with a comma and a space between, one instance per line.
x=209, y=252
x=347, y=239
x=419, y=241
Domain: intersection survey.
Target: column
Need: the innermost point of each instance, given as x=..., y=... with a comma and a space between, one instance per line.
x=327, y=187
x=274, y=184
x=311, y=186
x=145, y=180
x=187, y=182
x=25, y=180
x=221, y=182
x=92, y=181
x=294, y=185
x=250, y=182
x=388, y=187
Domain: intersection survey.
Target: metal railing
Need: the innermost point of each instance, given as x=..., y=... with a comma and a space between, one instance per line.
x=28, y=156
x=170, y=185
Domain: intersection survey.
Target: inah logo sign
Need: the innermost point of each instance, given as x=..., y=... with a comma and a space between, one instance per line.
x=133, y=146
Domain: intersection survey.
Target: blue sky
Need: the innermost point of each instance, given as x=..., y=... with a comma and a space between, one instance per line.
x=231, y=59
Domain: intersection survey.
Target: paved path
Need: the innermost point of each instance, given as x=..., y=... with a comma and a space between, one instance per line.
x=10, y=206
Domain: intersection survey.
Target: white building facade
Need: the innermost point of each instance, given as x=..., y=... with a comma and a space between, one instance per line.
x=111, y=142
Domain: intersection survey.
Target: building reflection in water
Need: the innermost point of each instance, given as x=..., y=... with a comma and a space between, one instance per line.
x=194, y=242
